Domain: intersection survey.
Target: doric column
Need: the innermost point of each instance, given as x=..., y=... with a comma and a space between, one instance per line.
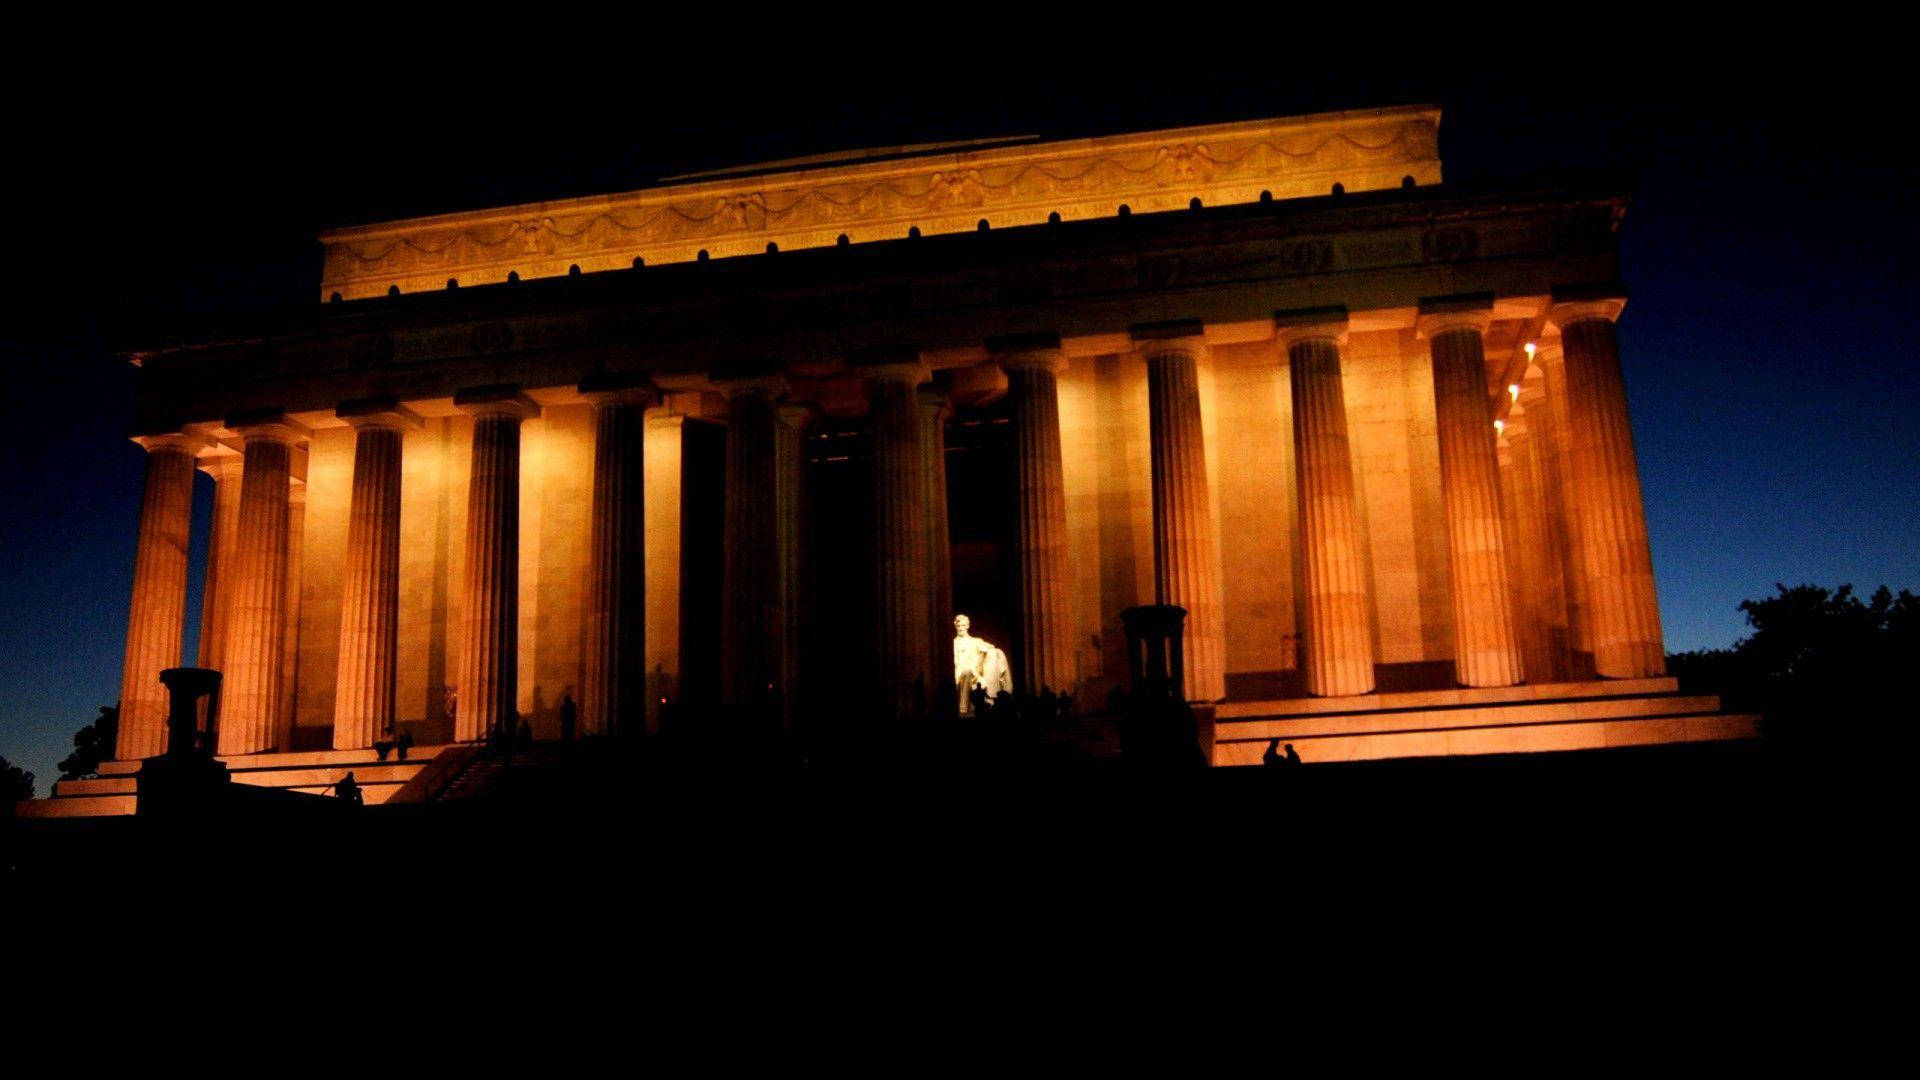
x=752, y=622
x=790, y=510
x=1339, y=639
x=900, y=538
x=1186, y=569
x=156, y=618
x=370, y=598
x=1543, y=646
x=489, y=653
x=933, y=414
x=290, y=618
x=1043, y=658
x=1556, y=457
x=1486, y=651
x=1623, y=611
x=250, y=693
x=224, y=466
x=613, y=689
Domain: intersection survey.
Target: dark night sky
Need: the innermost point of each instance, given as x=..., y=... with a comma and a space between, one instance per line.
x=1769, y=251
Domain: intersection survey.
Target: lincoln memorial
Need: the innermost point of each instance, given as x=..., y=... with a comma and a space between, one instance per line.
x=754, y=438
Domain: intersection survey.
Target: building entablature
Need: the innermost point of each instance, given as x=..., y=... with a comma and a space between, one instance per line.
x=1228, y=268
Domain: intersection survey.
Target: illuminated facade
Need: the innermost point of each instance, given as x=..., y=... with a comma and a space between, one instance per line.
x=758, y=435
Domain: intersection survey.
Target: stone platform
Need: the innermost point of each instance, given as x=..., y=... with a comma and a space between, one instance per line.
x=312, y=772
x=1502, y=720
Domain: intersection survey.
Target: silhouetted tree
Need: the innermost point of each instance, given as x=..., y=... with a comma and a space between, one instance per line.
x=92, y=745
x=1818, y=660
x=14, y=784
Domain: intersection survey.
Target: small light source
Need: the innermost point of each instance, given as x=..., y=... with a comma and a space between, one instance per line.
x=1500, y=426
x=1514, y=390
x=1531, y=349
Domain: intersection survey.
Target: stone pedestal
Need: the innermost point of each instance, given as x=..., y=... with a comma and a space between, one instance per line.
x=752, y=621
x=900, y=539
x=156, y=618
x=613, y=687
x=489, y=654
x=370, y=598
x=1043, y=655
x=1338, y=642
x=1623, y=613
x=1186, y=569
x=254, y=681
x=1486, y=652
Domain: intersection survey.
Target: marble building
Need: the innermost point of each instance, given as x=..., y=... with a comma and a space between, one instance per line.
x=759, y=434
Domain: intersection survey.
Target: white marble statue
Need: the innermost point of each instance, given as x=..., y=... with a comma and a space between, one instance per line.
x=977, y=663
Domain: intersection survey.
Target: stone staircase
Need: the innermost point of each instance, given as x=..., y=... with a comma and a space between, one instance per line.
x=314, y=772
x=483, y=769
x=1500, y=720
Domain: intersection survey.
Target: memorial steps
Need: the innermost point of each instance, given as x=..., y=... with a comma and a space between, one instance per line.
x=313, y=772
x=1498, y=720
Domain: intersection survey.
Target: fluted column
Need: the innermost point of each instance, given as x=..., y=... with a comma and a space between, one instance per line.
x=1044, y=654
x=489, y=653
x=370, y=598
x=790, y=510
x=613, y=688
x=1186, y=568
x=900, y=538
x=1624, y=612
x=250, y=693
x=1486, y=651
x=156, y=617
x=1544, y=646
x=290, y=618
x=1339, y=638
x=934, y=409
x=752, y=623
x=1556, y=457
x=224, y=468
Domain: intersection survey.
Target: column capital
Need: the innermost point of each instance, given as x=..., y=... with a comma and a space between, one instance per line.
x=799, y=414
x=890, y=363
x=221, y=462
x=619, y=388
x=1572, y=304
x=270, y=424
x=186, y=442
x=1517, y=427
x=501, y=400
x=933, y=398
x=1307, y=324
x=378, y=412
x=1028, y=350
x=1186, y=336
x=1438, y=314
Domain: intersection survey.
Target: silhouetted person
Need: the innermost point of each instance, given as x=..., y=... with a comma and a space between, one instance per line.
x=348, y=790
x=526, y=734
x=1293, y=756
x=383, y=747
x=567, y=717
x=1273, y=756
x=403, y=744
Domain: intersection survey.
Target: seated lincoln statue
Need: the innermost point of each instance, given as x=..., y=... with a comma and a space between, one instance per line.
x=977, y=664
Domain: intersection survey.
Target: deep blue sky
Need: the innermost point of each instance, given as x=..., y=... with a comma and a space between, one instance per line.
x=1768, y=344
